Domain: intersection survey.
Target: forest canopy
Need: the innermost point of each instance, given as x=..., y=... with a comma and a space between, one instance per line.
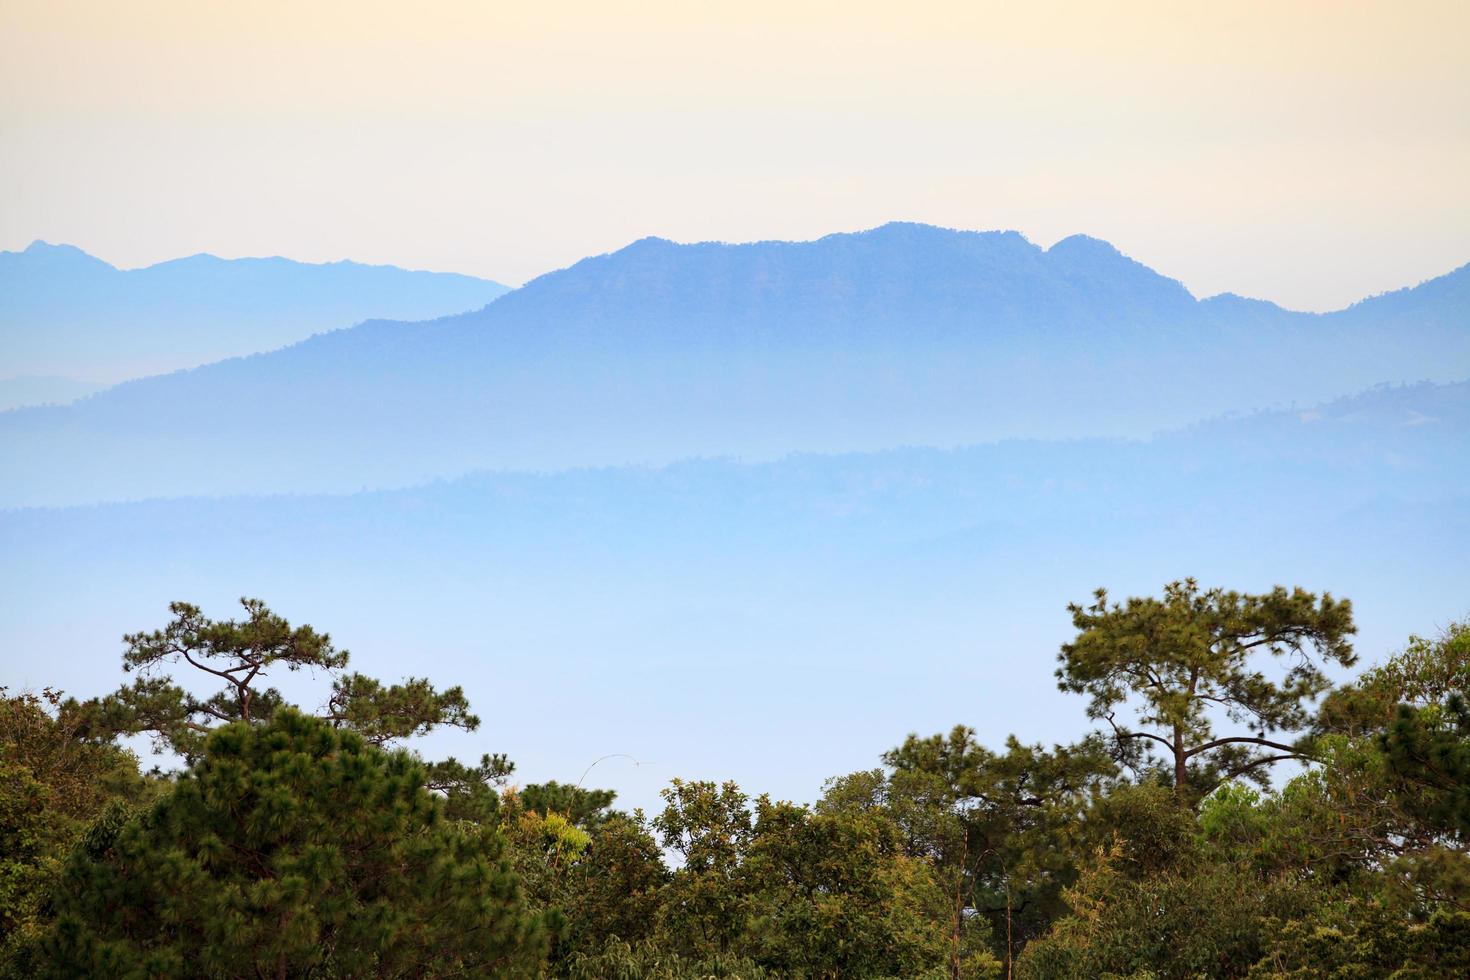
x=1234, y=813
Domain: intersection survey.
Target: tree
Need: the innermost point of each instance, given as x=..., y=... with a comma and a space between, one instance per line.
x=797, y=893
x=1428, y=754
x=1395, y=779
x=53, y=784
x=1367, y=940
x=709, y=827
x=288, y=848
x=833, y=895
x=543, y=850
x=1209, y=920
x=655, y=960
x=1183, y=661
x=470, y=792
x=1424, y=674
x=239, y=655
x=586, y=808
x=1412, y=709
x=615, y=891
x=994, y=825
x=565, y=862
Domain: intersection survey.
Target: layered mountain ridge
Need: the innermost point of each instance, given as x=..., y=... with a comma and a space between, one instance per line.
x=842, y=576
x=903, y=335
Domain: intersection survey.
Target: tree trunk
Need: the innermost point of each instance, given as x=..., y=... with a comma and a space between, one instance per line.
x=1010, y=943
x=1179, y=760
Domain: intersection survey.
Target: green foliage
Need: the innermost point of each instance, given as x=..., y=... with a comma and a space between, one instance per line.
x=53, y=783
x=286, y=848
x=470, y=792
x=831, y=895
x=239, y=654
x=28, y=853
x=1426, y=673
x=801, y=894
x=1196, y=920
x=709, y=828
x=1153, y=897
x=616, y=889
x=543, y=849
x=1427, y=742
x=1362, y=941
x=1144, y=829
x=996, y=827
x=1391, y=801
x=1182, y=660
x=296, y=845
x=648, y=960
x=587, y=808
x=551, y=831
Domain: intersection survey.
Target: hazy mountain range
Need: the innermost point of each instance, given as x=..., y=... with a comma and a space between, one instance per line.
x=67, y=316
x=904, y=335
x=586, y=610
x=1400, y=444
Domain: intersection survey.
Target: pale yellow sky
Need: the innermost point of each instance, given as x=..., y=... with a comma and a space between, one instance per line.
x=1306, y=152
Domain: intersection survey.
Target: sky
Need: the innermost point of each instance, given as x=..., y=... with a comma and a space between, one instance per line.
x=1311, y=153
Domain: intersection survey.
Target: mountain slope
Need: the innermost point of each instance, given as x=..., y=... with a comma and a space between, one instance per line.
x=887, y=285
x=905, y=335
x=30, y=389
x=64, y=312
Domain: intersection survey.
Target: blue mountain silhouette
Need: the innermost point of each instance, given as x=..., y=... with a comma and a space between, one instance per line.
x=64, y=313
x=904, y=335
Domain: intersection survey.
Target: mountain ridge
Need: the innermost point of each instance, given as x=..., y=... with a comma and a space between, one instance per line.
x=1374, y=413
x=42, y=247
x=906, y=334
x=66, y=313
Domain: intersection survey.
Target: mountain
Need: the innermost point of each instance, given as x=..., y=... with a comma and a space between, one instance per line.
x=904, y=335
x=30, y=389
x=887, y=286
x=903, y=590
x=64, y=312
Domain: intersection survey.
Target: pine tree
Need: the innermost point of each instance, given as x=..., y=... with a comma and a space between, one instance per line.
x=1184, y=661
x=292, y=848
x=240, y=655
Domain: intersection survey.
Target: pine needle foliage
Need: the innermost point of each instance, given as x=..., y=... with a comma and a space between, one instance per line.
x=293, y=849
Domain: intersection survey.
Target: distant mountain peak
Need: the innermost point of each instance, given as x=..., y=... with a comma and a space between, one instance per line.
x=920, y=232
x=1084, y=258
x=1084, y=245
x=890, y=228
x=40, y=247
x=56, y=254
x=1235, y=301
